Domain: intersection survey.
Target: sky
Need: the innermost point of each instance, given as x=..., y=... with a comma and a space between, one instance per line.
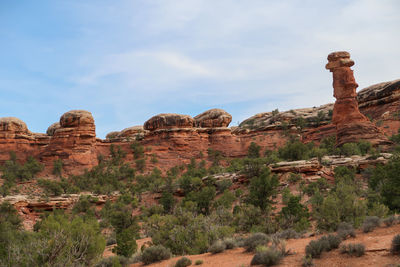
x=126, y=61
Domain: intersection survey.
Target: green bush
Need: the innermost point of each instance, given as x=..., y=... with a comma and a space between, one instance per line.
x=183, y=262
x=395, y=248
x=350, y=149
x=385, y=181
x=217, y=247
x=198, y=262
x=267, y=257
x=187, y=233
x=342, y=204
x=255, y=240
x=254, y=150
x=294, y=150
x=370, y=223
x=57, y=167
x=223, y=185
x=357, y=249
x=262, y=188
x=155, y=254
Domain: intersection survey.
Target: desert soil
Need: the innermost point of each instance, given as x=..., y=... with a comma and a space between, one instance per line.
x=377, y=244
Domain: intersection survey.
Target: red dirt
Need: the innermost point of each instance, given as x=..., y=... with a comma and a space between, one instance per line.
x=377, y=244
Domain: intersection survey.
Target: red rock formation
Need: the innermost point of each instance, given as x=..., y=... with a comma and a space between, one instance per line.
x=73, y=142
x=351, y=125
x=169, y=121
x=213, y=118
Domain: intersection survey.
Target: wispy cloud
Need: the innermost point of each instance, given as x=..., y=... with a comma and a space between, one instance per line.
x=129, y=60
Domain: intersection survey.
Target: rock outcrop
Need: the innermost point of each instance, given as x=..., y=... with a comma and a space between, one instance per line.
x=351, y=125
x=213, y=118
x=13, y=125
x=52, y=128
x=168, y=121
x=73, y=141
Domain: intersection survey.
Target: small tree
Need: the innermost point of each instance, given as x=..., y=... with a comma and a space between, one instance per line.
x=262, y=188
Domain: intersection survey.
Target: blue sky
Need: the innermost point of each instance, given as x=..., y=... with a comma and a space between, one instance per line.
x=126, y=61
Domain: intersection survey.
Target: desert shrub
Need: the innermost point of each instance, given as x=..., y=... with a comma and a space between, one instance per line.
x=294, y=214
x=395, y=248
x=215, y=156
x=389, y=221
x=13, y=172
x=345, y=230
x=223, y=185
x=342, y=204
x=350, y=149
x=202, y=198
x=294, y=150
x=267, y=257
x=57, y=167
x=140, y=164
x=138, y=150
x=217, y=247
x=126, y=228
x=255, y=240
x=225, y=200
x=334, y=241
x=187, y=233
x=321, y=184
x=294, y=178
x=183, y=262
x=109, y=175
x=262, y=188
x=155, y=254
x=370, y=223
x=307, y=261
x=353, y=249
x=198, y=262
x=315, y=248
x=114, y=261
x=254, y=150
x=230, y=243
x=288, y=234
x=365, y=147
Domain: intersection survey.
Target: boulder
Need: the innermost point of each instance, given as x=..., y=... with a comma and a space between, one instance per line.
x=213, y=118
x=12, y=124
x=132, y=131
x=76, y=118
x=52, y=128
x=169, y=121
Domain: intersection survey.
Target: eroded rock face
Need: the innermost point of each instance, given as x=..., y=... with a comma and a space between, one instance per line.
x=52, y=128
x=169, y=121
x=12, y=124
x=112, y=135
x=351, y=125
x=213, y=118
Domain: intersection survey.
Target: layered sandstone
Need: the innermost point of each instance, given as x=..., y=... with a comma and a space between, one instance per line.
x=351, y=125
x=72, y=141
x=213, y=118
x=168, y=121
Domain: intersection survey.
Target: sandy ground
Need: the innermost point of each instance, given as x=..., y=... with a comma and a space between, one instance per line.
x=377, y=254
